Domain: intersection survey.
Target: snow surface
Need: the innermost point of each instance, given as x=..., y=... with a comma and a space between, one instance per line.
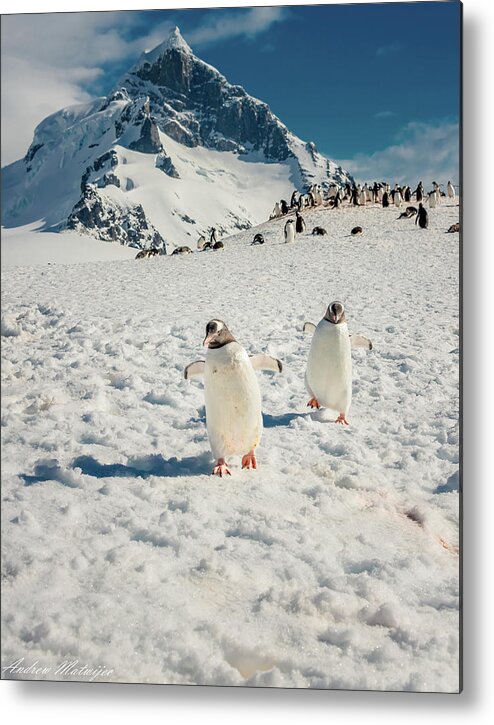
x=335, y=564
x=27, y=246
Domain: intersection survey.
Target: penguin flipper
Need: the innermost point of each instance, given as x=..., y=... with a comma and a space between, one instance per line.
x=360, y=341
x=266, y=362
x=195, y=369
x=309, y=328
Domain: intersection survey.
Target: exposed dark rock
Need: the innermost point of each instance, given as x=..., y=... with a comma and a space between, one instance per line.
x=110, y=156
x=106, y=220
x=149, y=140
x=32, y=150
x=164, y=162
x=109, y=179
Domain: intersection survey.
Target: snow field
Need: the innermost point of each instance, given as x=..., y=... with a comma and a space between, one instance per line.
x=335, y=564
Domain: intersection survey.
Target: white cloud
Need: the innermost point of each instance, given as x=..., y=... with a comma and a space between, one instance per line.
x=385, y=114
x=48, y=61
x=242, y=23
x=421, y=151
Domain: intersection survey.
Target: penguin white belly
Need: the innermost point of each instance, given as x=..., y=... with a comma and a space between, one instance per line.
x=329, y=367
x=289, y=234
x=233, y=401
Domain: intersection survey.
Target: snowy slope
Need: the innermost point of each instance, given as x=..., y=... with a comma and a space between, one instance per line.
x=173, y=150
x=335, y=565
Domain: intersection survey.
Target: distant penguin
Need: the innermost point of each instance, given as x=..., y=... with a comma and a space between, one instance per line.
x=419, y=192
x=454, y=228
x=299, y=223
x=212, y=236
x=232, y=395
x=218, y=246
x=397, y=198
x=289, y=231
x=422, y=217
x=283, y=207
x=319, y=231
x=337, y=201
x=182, y=250
x=258, y=239
x=328, y=376
x=207, y=246
x=407, y=194
x=451, y=190
x=356, y=231
x=355, y=196
x=385, y=201
x=432, y=199
x=293, y=200
x=276, y=211
x=201, y=242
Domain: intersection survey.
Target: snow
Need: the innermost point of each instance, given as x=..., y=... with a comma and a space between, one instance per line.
x=27, y=246
x=335, y=564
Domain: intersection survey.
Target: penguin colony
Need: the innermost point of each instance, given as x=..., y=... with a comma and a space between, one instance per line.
x=333, y=197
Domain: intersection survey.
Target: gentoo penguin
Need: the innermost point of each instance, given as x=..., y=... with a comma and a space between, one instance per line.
x=233, y=398
x=432, y=199
x=385, y=200
x=218, y=245
x=319, y=231
x=201, y=242
x=258, y=239
x=422, y=217
x=276, y=211
x=356, y=230
x=289, y=231
x=283, y=207
x=419, y=192
x=454, y=228
x=397, y=197
x=212, y=236
x=293, y=200
x=328, y=377
x=299, y=223
x=182, y=250
x=451, y=190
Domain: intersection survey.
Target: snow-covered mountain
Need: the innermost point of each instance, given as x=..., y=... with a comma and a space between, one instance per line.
x=174, y=150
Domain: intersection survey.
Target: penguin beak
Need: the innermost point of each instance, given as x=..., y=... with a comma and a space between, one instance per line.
x=207, y=340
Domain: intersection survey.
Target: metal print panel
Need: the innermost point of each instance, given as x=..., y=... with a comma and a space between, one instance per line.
x=230, y=347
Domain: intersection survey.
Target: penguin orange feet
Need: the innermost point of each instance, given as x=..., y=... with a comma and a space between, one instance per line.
x=313, y=403
x=249, y=460
x=341, y=419
x=221, y=469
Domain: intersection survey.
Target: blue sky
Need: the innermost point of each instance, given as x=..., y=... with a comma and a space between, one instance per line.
x=361, y=81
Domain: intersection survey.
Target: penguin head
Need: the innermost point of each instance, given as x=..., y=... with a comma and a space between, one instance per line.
x=335, y=313
x=217, y=334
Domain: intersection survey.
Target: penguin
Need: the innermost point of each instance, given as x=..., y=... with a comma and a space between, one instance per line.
x=258, y=239
x=419, y=192
x=232, y=395
x=289, y=231
x=284, y=207
x=397, y=197
x=276, y=211
x=218, y=246
x=212, y=236
x=337, y=200
x=454, y=228
x=201, y=242
x=356, y=230
x=293, y=200
x=328, y=376
x=432, y=199
x=422, y=217
x=182, y=250
x=319, y=231
x=408, y=194
x=207, y=246
x=385, y=201
x=451, y=190
x=299, y=223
